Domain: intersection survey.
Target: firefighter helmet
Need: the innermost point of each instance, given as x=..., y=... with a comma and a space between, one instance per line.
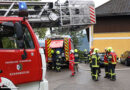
x=52, y=51
x=75, y=50
x=71, y=51
x=96, y=50
x=85, y=50
x=109, y=49
x=57, y=52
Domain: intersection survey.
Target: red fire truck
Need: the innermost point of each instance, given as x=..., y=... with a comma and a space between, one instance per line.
x=62, y=43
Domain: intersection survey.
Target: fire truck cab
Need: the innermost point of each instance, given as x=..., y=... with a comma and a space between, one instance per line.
x=22, y=61
x=62, y=43
x=21, y=58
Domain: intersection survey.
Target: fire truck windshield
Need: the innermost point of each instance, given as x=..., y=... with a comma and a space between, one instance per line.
x=9, y=37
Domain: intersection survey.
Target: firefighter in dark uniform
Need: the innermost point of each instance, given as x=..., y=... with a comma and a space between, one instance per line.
x=90, y=58
x=106, y=64
x=86, y=56
x=95, y=64
x=76, y=61
x=53, y=59
x=58, y=60
x=112, y=63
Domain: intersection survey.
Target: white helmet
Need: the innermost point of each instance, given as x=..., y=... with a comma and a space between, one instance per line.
x=71, y=51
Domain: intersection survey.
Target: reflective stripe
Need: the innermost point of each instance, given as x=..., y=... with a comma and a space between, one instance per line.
x=96, y=61
x=105, y=63
x=96, y=74
x=113, y=74
x=85, y=57
x=76, y=55
x=114, y=60
x=95, y=65
x=66, y=48
x=76, y=62
x=106, y=72
x=48, y=48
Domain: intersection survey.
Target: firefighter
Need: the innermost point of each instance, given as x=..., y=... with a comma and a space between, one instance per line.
x=106, y=64
x=86, y=56
x=71, y=62
x=112, y=63
x=76, y=60
x=90, y=58
x=53, y=59
x=58, y=60
x=95, y=64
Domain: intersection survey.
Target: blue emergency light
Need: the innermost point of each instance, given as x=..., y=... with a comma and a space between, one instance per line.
x=22, y=6
x=23, y=9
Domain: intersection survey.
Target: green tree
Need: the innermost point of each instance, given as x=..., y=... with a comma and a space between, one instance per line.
x=75, y=35
x=41, y=32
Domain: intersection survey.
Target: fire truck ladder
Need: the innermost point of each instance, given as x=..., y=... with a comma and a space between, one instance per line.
x=53, y=14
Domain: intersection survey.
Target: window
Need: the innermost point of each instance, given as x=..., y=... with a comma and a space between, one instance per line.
x=8, y=42
x=27, y=38
x=8, y=38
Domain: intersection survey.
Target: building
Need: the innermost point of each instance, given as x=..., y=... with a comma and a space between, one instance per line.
x=113, y=26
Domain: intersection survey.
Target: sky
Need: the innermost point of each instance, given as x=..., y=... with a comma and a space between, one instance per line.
x=100, y=2
x=97, y=2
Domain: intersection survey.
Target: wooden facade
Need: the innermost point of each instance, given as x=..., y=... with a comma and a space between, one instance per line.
x=112, y=24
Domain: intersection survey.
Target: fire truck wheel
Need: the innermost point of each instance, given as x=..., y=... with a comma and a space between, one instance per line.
x=4, y=88
x=126, y=62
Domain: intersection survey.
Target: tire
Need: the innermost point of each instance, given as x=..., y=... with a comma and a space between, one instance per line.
x=126, y=63
x=121, y=62
x=4, y=88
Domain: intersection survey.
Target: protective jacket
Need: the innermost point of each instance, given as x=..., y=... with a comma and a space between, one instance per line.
x=112, y=58
x=105, y=60
x=76, y=56
x=95, y=60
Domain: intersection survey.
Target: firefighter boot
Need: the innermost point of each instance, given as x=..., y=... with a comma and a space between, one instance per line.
x=106, y=75
x=113, y=78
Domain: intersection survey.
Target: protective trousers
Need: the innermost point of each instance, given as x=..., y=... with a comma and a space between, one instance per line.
x=71, y=66
x=106, y=71
x=111, y=69
x=95, y=72
x=91, y=68
x=86, y=60
x=58, y=67
x=53, y=64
